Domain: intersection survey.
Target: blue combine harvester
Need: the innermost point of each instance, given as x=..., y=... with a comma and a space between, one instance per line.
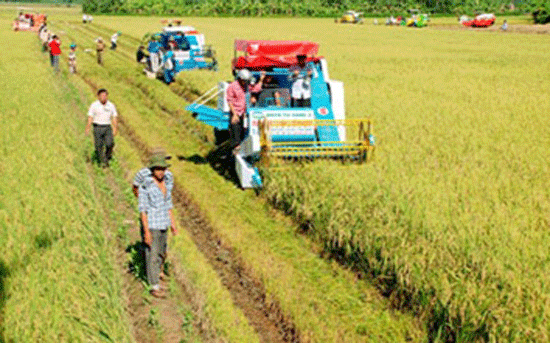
x=180, y=48
x=275, y=126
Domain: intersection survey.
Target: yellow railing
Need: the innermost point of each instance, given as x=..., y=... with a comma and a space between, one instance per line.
x=360, y=149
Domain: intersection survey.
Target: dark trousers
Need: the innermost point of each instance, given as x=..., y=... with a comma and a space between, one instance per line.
x=301, y=102
x=113, y=46
x=236, y=133
x=104, y=143
x=155, y=256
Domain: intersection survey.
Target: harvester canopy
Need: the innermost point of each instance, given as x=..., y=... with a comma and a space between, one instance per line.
x=276, y=47
x=481, y=20
x=263, y=54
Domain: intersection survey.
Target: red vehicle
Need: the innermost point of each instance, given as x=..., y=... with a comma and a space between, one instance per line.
x=482, y=20
x=28, y=22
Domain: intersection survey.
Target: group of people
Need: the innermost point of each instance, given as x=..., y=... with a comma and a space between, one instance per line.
x=52, y=44
x=152, y=186
x=86, y=18
x=157, y=56
x=100, y=46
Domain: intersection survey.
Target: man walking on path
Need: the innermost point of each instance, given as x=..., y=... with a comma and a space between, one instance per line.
x=143, y=174
x=100, y=46
x=55, y=51
x=103, y=115
x=155, y=208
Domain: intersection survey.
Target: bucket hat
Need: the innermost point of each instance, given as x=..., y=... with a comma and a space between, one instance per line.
x=158, y=160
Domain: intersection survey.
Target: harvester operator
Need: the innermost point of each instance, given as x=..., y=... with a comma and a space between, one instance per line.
x=236, y=98
x=300, y=75
x=154, y=49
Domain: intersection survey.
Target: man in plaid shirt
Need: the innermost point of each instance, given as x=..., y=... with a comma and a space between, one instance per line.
x=155, y=207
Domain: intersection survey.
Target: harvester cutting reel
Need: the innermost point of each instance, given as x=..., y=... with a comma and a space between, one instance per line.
x=356, y=140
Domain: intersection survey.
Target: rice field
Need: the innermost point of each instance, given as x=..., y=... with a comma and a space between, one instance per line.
x=58, y=279
x=451, y=218
x=455, y=209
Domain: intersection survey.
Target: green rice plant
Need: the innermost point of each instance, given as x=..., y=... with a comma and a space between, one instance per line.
x=59, y=280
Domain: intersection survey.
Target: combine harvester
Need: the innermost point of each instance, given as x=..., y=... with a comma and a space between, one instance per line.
x=28, y=22
x=274, y=129
x=482, y=20
x=190, y=51
x=350, y=17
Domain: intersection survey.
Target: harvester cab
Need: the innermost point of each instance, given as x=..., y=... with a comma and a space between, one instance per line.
x=182, y=48
x=275, y=130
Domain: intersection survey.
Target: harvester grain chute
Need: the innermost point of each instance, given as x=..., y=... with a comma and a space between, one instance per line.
x=274, y=129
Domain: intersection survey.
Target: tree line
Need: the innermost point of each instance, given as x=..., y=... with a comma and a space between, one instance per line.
x=316, y=8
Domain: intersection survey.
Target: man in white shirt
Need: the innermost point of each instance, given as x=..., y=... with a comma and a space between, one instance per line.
x=114, y=39
x=300, y=76
x=103, y=116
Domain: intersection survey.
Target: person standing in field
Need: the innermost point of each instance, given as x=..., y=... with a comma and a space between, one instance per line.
x=139, y=180
x=114, y=39
x=72, y=59
x=155, y=208
x=300, y=75
x=236, y=98
x=100, y=46
x=55, y=51
x=504, y=26
x=154, y=49
x=103, y=116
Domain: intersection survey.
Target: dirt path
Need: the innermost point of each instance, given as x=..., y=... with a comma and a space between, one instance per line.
x=247, y=293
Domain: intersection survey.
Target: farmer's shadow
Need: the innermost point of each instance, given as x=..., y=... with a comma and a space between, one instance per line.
x=136, y=262
x=220, y=159
x=4, y=273
x=195, y=159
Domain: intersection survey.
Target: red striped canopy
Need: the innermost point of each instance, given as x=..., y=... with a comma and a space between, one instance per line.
x=276, y=47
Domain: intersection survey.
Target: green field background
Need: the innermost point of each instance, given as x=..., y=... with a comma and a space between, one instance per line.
x=451, y=218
